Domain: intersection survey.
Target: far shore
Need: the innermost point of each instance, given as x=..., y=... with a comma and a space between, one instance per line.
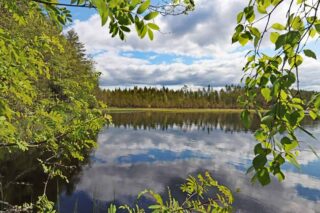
x=176, y=110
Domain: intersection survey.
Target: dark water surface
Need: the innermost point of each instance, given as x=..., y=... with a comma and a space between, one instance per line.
x=159, y=150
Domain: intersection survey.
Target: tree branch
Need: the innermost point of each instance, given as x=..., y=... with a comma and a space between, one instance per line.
x=65, y=5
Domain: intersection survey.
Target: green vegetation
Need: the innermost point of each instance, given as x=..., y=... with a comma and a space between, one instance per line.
x=273, y=74
x=42, y=104
x=199, y=198
x=207, y=98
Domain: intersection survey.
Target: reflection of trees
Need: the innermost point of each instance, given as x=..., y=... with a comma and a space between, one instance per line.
x=22, y=178
x=229, y=122
x=310, y=124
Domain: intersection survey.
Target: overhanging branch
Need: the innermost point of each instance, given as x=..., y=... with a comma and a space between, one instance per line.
x=65, y=5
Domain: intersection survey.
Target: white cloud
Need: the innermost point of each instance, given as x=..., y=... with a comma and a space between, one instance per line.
x=204, y=33
x=123, y=70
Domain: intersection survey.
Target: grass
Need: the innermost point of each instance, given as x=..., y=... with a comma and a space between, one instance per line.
x=176, y=110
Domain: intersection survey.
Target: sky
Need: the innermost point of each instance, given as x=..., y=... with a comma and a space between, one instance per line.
x=193, y=49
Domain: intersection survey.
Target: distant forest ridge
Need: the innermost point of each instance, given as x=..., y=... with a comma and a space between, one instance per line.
x=207, y=97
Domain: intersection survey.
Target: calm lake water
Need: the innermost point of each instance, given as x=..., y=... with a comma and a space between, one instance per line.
x=158, y=150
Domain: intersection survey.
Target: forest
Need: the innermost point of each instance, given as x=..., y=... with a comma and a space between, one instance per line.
x=151, y=97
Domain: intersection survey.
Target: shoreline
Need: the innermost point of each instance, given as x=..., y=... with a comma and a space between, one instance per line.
x=177, y=110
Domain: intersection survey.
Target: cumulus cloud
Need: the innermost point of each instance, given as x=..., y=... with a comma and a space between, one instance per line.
x=119, y=70
x=204, y=34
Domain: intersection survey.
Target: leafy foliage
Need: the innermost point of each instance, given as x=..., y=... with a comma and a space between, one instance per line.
x=47, y=89
x=274, y=74
x=203, y=194
x=120, y=15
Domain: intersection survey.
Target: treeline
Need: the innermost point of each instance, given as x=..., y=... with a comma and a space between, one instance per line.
x=151, y=97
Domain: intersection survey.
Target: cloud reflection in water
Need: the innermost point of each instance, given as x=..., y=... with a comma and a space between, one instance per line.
x=130, y=159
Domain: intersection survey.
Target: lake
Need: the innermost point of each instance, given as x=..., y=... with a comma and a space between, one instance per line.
x=157, y=150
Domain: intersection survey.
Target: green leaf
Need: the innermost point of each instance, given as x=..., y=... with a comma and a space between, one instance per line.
x=297, y=23
x=260, y=136
x=259, y=161
x=280, y=159
x=311, y=19
x=157, y=197
x=102, y=9
x=292, y=37
x=243, y=40
x=264, y=177
x=288, y=144
x=266, y=93
x=295, y=117
x=239, y=17
x=239, y=28
x=255, y=31
x=312, y=32
x=151, y=15
x=280, y=176
x=125, y=29
x=278, y=26
x=121, y=35
x=262, y=9
x=280, y=41
x=267, y=119
x=258, y=149
x=143, y=7
x=245, y=117
x=317, y=26
x=112, y=209
x=155, y=207
x=134, y=3
x=142, y=193
x=313, y=115
x=274, y=37
x=249, y=14
x=310, y=53
x=296, y=60
x=150, y=34
x=143, y=31
x=139, y=25
x=317, y=102
x=153, y=26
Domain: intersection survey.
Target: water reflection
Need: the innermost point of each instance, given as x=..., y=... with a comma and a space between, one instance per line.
x=22, y=178
x=229, y=122
x=156, y=150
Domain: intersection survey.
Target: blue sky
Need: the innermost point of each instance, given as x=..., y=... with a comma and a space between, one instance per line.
x=195, y=50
